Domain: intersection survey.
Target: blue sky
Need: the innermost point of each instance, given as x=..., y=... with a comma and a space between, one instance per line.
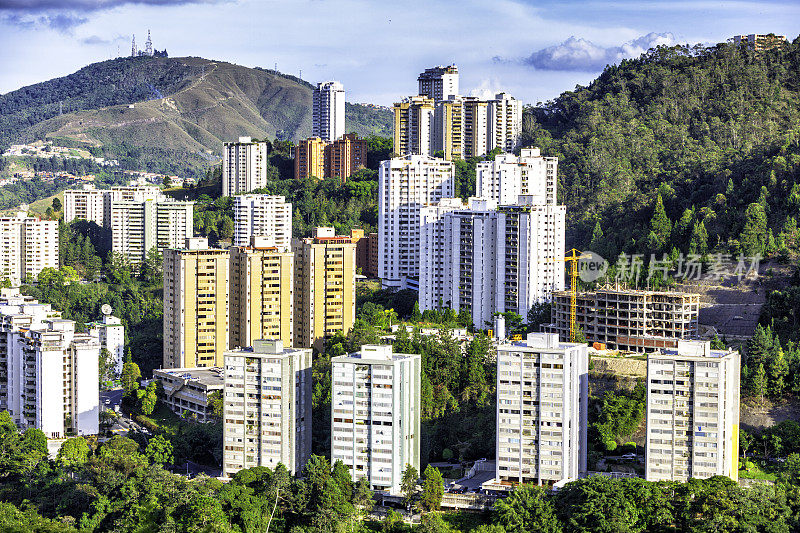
x=532, y=49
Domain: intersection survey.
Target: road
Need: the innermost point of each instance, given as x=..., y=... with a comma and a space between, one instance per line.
x=110, y=398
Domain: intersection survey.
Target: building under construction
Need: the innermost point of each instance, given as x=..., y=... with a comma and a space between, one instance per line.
x=628, y=320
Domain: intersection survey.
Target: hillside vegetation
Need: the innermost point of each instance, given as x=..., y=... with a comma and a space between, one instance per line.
x=184, y=108
x=713, y=131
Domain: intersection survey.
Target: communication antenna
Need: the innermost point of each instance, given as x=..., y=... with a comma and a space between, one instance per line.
x=60, y=107
x=301, y=74
x=106, y=309
x=276, y=67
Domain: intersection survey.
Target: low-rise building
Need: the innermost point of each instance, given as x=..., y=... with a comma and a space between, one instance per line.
x=110, y=333
x=187, y=391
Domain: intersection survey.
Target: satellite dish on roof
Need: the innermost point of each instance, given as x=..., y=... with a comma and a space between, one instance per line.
x=106, y=309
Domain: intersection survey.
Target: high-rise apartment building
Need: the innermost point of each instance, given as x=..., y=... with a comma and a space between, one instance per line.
x=267, y=407
x=261, y=293
x=86, y=203
x=449, y=128
x=475, y=127
x=244, y=166
x=507, y=177
x=439, y=83
x=542, y=411
x=505, y=122
x=629, y=319
x=110, y=334
x=327, y=120
x=309, y=158
x=344, y=156
x=262, y=215
x=50, y=379
x=692, y=413
x=414, y=126
x=324, y=287
x=490, y=259
x=405, y=184
x=196, y=330
x=139, y=226
x=27, y=245
x=338, y=159
x=375, y=428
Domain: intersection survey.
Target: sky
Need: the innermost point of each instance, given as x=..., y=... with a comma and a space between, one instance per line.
x=533, y=50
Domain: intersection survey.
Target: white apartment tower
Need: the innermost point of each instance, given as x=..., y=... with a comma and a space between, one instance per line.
x=110, y=333
x=509, y=176
x=439, y=83
x=262, y=215
x=375, y=428
x=692, y=413
x=414, y=126
x=52, y=381
x=86, y=203
x=267, y=405
x=490, y=259
x=327, y=121
x=505, y=122
x=406, y=184
x=244, y=166
x=139, y=226
x=542, y=410
x=27, y=245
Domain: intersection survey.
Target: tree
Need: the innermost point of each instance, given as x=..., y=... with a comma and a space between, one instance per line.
x=159, y=450
x=527, y=509
x=753, y=239
x=147, y=398
x=597, y=244
x=433, y=523
x=432, y=489
x=105, y=365
x=73, y=453
x=660, y=225
x=778, y=372
x=408, y=486
x=217, y=404
x=760, y=382
x=130, y=377
x=56, y=204
x=362, y=495
x=698, y=244
x=225, y=227
x=416, y=316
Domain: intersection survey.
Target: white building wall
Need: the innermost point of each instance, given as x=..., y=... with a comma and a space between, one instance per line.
x=244, y=166
x=110, y=333
x=327, y=121
x=542, y=408
x=405, y=185
x=86, y=203
x=505, y=122
x=27, y=245
x=262, y=215
x=375, y=428
x=509, y=176
x=86, y=385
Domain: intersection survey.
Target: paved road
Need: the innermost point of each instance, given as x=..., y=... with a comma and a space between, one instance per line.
x=110, y=398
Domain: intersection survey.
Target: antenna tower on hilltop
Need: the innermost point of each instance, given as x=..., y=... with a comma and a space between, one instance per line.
x=148, y=45
x=133, y=46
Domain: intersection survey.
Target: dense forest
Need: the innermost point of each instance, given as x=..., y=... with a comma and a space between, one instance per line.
x=713, y=131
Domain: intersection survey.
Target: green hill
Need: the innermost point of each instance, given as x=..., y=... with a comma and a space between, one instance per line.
x=714, y=131
x=182, y=110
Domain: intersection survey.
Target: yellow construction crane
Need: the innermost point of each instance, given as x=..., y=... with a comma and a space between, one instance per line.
x=572, y=257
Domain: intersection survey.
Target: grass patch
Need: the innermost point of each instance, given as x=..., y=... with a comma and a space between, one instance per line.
x=161, y=420
x=759, y=469
x=466, y=521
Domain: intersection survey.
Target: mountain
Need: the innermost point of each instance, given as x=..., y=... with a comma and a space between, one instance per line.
x=168, y=114
x=681, y=150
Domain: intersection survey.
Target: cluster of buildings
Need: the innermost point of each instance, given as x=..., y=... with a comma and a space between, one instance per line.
x=49, y=372
x=760, y=42
x=27, y=245
x=136, y=218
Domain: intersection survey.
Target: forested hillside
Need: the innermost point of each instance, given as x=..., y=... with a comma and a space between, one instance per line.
x=714, y=131
x=183, y=109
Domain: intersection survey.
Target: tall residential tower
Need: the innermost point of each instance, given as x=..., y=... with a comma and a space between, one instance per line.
x=327, y=121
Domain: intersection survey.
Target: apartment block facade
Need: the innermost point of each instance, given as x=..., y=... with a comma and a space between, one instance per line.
x=244, y=166
x=405, y=185
x=86, y=203
x=692, y=413
x=414, y=125
x=439, y=83
x=317, y=158
x=508, y=176
x=139, y=226
x=375, y=429
x=196, y=329
x=627, y=319
x=505, y=122
x=542, y=411
x=327, y=120
x=27, y=245
x=324, y=287
x=261, y=294
x=187, y=390
x=264, y=216
x=761, y=42
x=267, y=407
x=110, y=334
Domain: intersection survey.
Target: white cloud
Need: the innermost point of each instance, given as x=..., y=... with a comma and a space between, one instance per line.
x=585, y=56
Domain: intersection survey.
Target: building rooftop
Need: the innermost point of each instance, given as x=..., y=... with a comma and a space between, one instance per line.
x=211, y=377
x=375, y=352
x=264, y=347
x=692, y=348
x=542, y=341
